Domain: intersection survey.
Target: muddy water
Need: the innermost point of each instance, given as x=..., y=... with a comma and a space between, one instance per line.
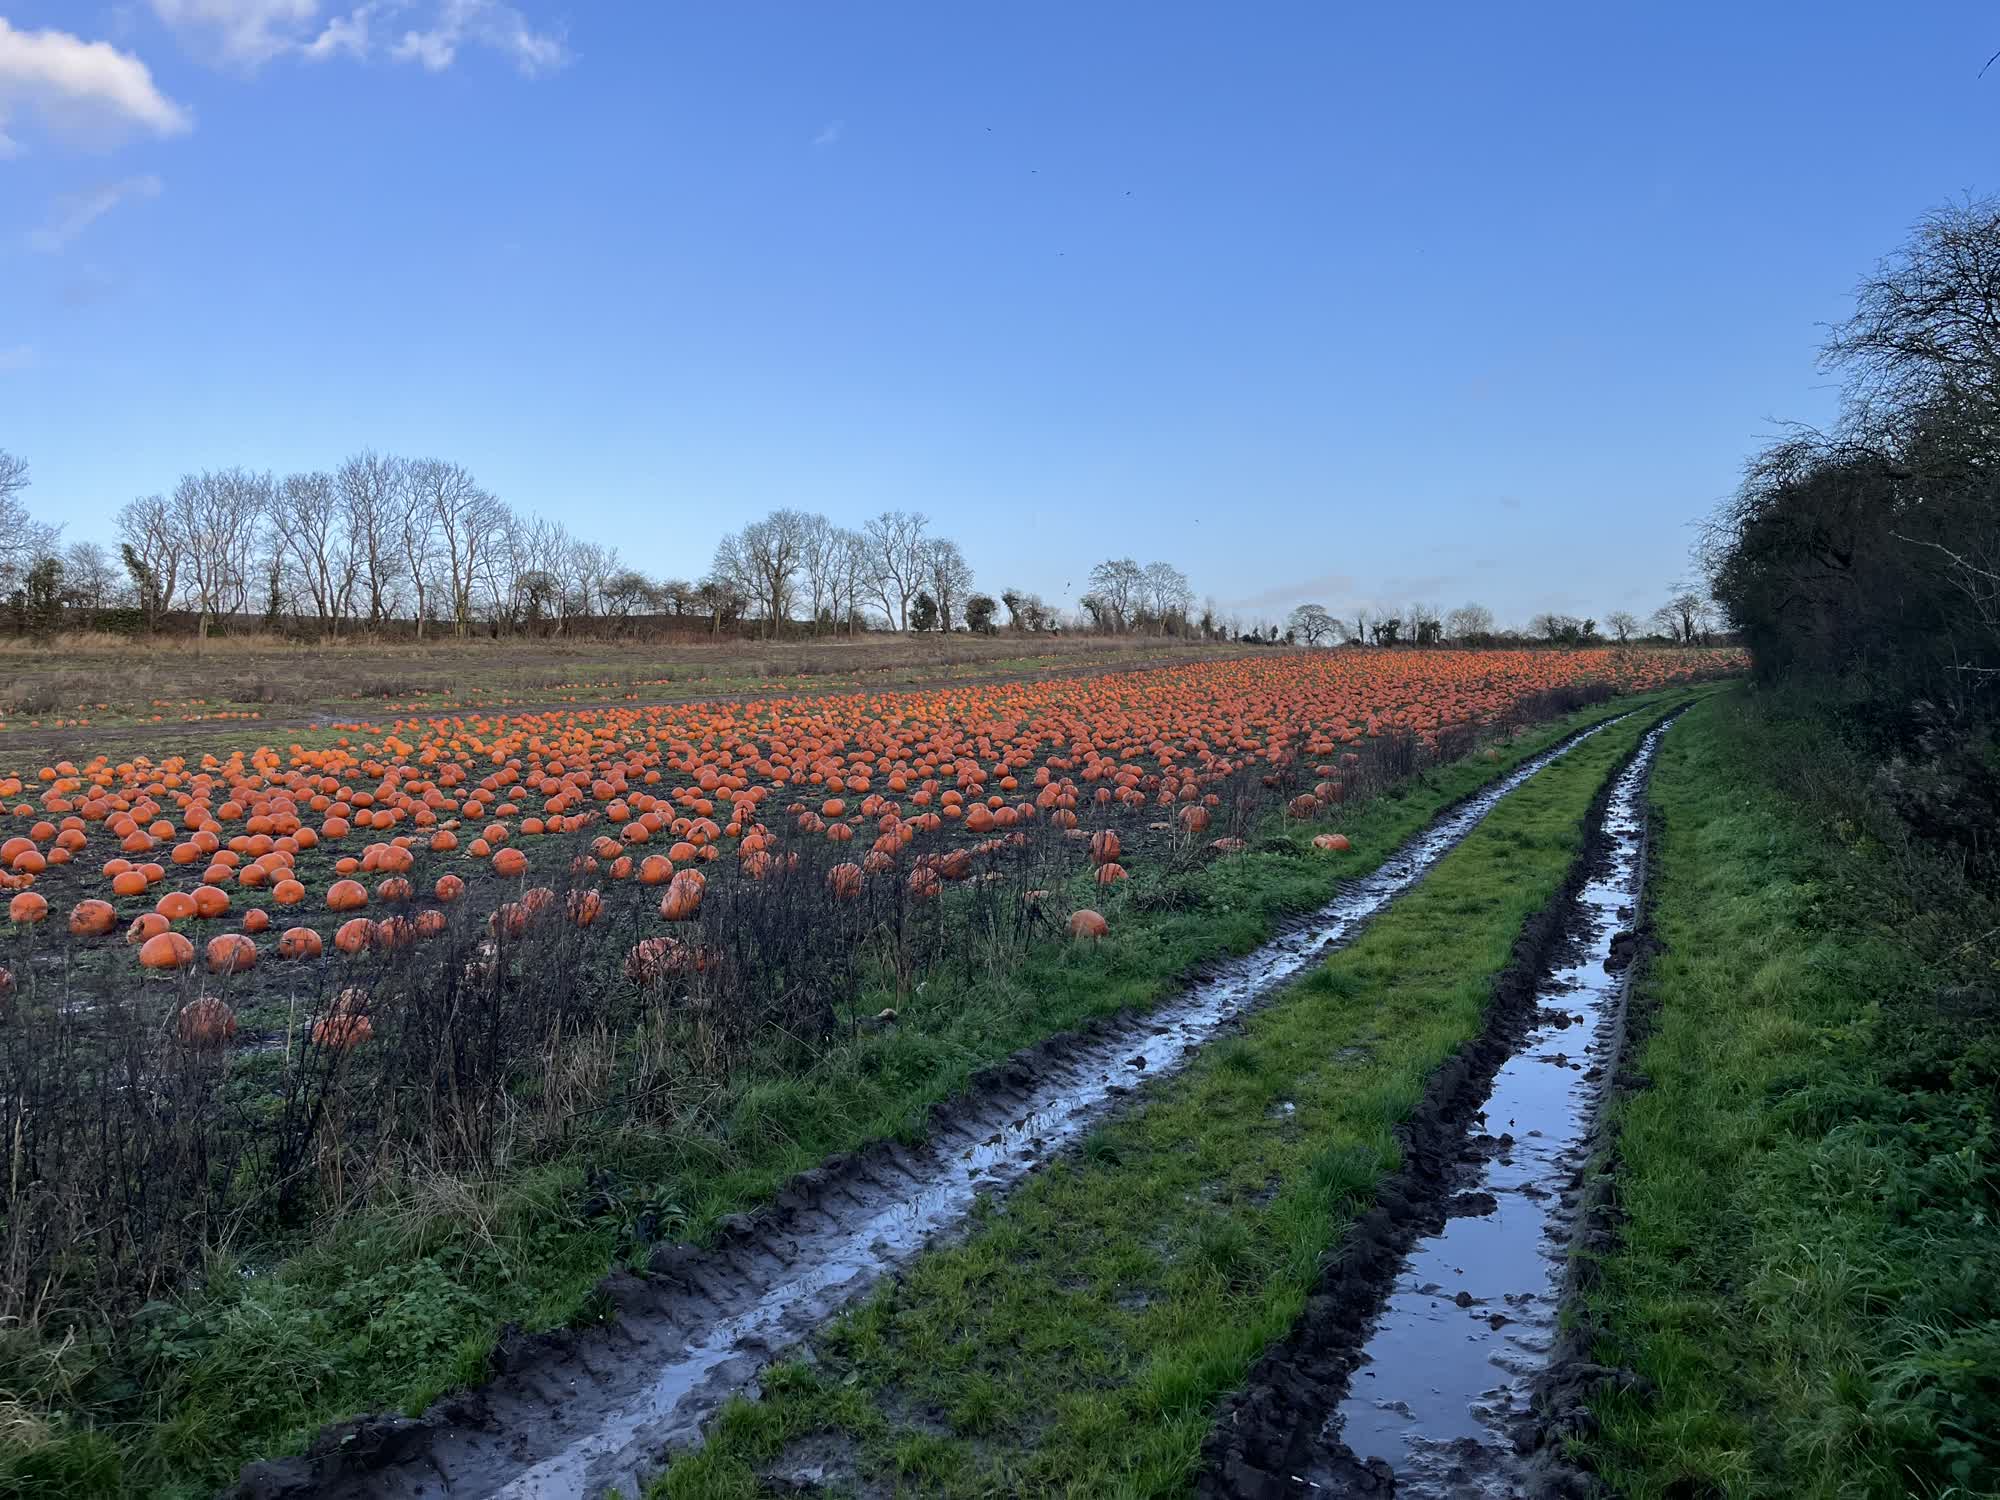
x=1447, y=1370
x=600, y=1410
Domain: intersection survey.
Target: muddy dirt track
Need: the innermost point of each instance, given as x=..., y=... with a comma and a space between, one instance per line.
x=1432, y=1338
x=575, y=1414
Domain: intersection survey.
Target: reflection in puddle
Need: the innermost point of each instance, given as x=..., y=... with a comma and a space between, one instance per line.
x=1473, y=1314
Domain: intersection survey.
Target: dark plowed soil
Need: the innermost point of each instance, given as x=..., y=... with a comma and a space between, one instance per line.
x=1271, y=1439
x=575, y=1413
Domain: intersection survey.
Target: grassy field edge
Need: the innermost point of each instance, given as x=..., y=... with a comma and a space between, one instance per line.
x=1807, y=1185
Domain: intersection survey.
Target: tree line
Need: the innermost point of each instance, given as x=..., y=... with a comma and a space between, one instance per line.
x=1687, y=618
x=387, y=544
x=1867, y=557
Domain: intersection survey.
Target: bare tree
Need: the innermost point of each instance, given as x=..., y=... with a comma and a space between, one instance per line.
x=1115, y=586
x=374, y=498
x=1469, y=622
x=464, y=522
x=1926, y=327
x=213, y=519
x=1624, y=624
x=949, y=578
x=850, y=577
x=1166, y=596
x=90, y=575
x=821, y=561
x=151, y=557
x=13, y=476
x=414, y=530
x=625, y=592
x=23, y=540
x=309, y=532
x=1311, y=623
x=723, y=599
x=896, y=556
x=590, y=568
x=1687, y=616
x=763, y=562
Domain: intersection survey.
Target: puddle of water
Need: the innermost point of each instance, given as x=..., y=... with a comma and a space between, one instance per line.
x=1473, y=1313
x=603, y=1417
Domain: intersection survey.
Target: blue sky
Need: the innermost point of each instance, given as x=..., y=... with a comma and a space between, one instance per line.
x=1437, y=303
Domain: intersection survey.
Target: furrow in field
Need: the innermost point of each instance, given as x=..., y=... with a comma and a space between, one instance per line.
x=1414, y=1369
x=580, y=1414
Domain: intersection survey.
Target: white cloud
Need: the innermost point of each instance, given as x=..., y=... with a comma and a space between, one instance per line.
x=79, y=88
x=829, y=133
x=79, y=211
x=250, y=33
x=20, y=357
x=348, y=33
x=485, y=23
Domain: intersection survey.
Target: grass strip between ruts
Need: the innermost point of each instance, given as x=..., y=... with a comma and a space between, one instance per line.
x=1076, y=1341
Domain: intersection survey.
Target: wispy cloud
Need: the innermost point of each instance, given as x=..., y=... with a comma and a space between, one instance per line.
x=430, y=33
x=20, y=357
x=247, y=32
x=829, y=133
x=79, y=211
x=84, y=89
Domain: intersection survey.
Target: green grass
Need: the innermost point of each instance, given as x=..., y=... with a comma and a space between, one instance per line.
x=401, y=1303
x=1810, y=1271
x=1076, y=1342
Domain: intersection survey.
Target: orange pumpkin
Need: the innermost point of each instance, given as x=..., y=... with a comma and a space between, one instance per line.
x=355, y=935
x=1088, y=924
x=340, y=1032
x=683, y=897
x=92, y=918
x=166, y=950
x=205, y=1023
x=231, y=953
x=300, y=942
x=346, y=895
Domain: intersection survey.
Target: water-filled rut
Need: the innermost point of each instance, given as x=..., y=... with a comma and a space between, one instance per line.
x=1416, y=1367
x=579, y=1413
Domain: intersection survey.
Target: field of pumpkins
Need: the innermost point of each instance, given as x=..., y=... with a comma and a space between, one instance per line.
x=282, y=856
x=241, y=985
